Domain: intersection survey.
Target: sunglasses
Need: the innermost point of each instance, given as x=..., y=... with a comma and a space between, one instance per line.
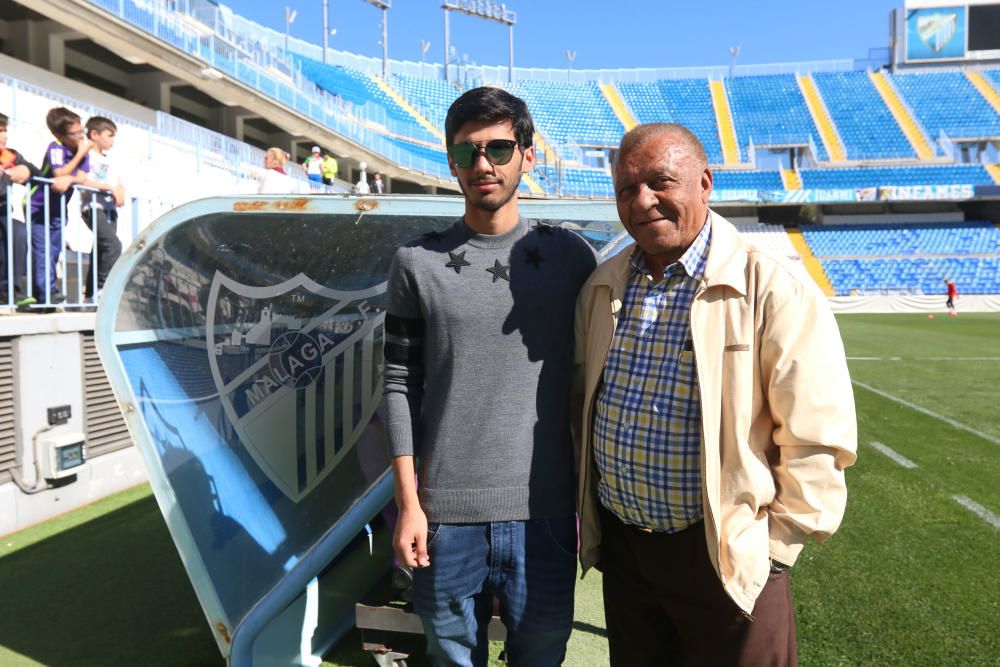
x=497, y=151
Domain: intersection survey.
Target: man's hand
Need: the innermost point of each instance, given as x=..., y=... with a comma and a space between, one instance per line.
x=84, y=147
x=410, y=540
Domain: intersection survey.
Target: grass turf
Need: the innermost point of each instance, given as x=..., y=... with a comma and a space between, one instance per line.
x=908, y=580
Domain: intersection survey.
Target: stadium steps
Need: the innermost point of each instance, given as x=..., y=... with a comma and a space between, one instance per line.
x=409, y=108
x=724, y=119
x=906, y=122
x=791, y=179
x=821, y=116
x=813, y=265
x=533, y=185
x=994, y=171
x=984, y=87
x=542, y=146
x=618, y=105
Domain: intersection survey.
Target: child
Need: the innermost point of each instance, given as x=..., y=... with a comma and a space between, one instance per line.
x=314, y=166
x=13, y=169
x=66, y=156
x=100, y=209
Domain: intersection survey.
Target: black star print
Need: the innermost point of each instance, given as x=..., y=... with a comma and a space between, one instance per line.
x=534, y=257
x=457, y=261
x=543, y=229
x=499, y=271
x=433, y=235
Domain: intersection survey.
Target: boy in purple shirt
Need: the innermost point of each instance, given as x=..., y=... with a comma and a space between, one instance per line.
x=66, y=156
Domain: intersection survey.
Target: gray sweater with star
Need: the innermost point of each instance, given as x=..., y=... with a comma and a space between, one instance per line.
x=478, y=355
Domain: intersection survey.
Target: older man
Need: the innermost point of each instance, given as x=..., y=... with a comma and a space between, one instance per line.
x=718, y=419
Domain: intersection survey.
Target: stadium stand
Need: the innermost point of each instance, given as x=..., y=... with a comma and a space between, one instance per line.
x=994, y=77
x=771, y=111
x=686, y=101
x=359, y=89
x=570, y=113
x=974, y=275
x=747, y=180
x=870, y=177
x=862, y=259
x=971, y=238
x=164, y=163
x=866, y=125
x=431, y=97
x=933, y=96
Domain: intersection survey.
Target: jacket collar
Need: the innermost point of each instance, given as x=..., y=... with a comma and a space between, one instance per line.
x=725, y=266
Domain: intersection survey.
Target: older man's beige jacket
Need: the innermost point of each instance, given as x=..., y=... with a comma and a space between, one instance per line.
x=778, y=421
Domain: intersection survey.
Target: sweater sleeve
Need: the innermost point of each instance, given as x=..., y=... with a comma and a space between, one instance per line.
x=404, y=365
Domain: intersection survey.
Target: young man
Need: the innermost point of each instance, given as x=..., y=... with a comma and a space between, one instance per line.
x=67, y=156
x=718, y=419
x=100, y=210
x=478, y=356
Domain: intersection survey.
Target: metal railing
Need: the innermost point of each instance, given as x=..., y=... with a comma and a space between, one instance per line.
x=48, y=269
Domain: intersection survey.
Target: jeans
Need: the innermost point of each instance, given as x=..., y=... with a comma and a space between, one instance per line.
x=41, y=278
x=530, y=566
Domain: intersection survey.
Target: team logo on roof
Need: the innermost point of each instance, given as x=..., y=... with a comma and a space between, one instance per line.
x=298, y=368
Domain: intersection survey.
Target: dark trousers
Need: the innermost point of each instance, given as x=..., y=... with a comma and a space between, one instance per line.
x=16, y=260
x=664, y=604
x=107, y=245
x=40, y=278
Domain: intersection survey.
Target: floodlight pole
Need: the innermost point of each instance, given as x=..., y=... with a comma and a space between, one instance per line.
x=290, y=15
x=489, y=10
x=384, y=5
x=326, y=27
x=510, y=53
x=447, y=41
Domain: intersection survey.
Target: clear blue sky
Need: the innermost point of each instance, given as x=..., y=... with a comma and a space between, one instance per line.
x=604, y=33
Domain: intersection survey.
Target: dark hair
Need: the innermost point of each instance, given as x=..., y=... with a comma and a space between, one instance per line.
x=99, y=124
x=4, y=120
x=490, y=104
x=59, y=119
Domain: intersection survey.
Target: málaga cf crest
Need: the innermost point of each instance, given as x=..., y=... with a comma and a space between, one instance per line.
x=298, y=368
x=936, y=30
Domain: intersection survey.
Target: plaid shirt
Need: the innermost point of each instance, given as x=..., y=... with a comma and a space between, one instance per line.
x=647, y=422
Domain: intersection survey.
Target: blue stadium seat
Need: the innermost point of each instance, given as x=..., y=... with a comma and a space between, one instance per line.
x=358, y=88
x=746, y=180
x=771, y=111
x=973, y=275
x=870, y=177
x=570, y=111
x=431, y=97
x=948, y=102
x=684, y=101
x=904, y=257
x=867, y=127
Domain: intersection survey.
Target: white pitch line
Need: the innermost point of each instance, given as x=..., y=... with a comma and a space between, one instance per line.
x=913, y=406
x=893, y=454
x=923, y=358
x=977, y=509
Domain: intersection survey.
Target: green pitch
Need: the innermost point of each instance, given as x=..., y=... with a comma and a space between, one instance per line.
x=910, y=578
